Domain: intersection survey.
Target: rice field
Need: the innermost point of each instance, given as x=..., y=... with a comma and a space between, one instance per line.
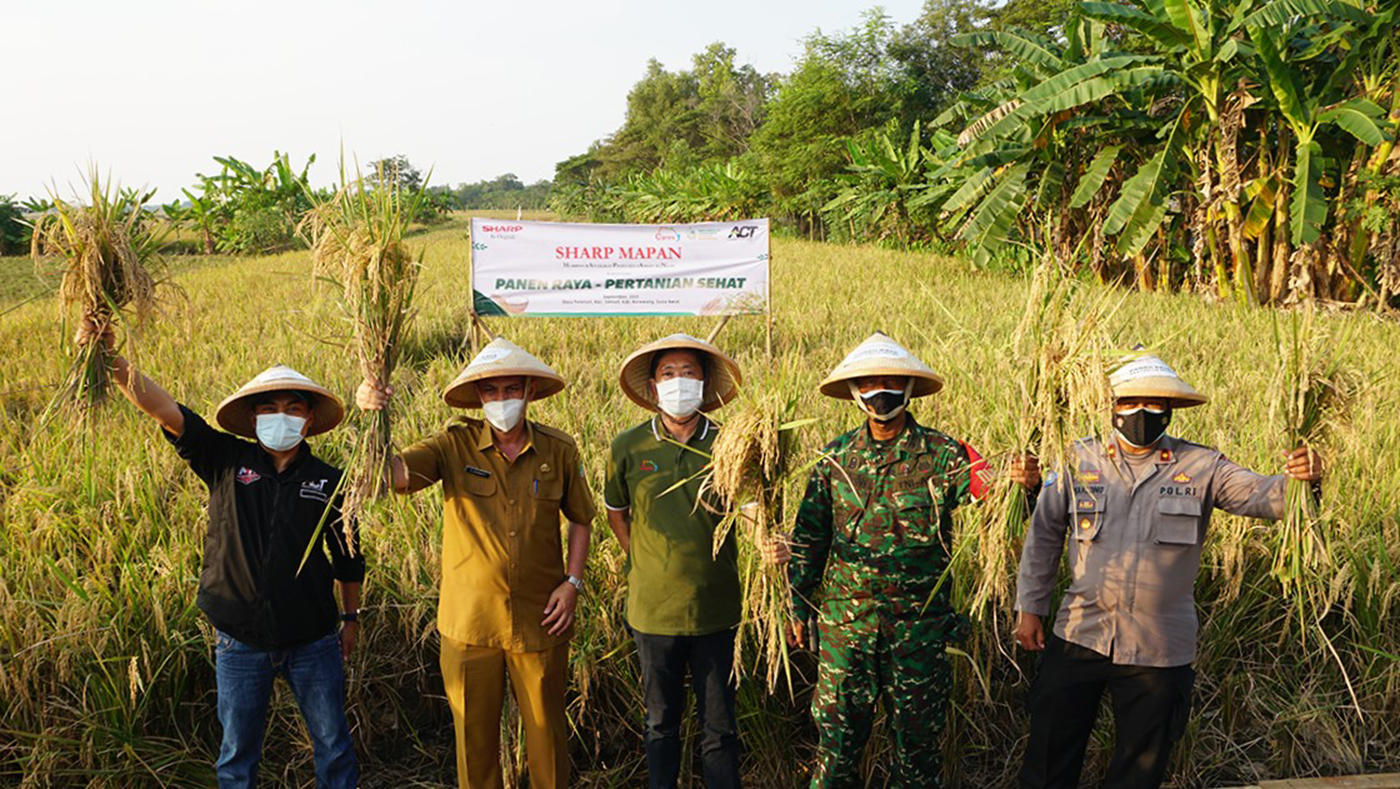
x=106, y=675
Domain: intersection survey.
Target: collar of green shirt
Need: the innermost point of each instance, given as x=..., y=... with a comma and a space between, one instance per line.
x=660, y=433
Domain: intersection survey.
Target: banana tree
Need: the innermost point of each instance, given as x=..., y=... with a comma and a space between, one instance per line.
x=1044, y=149
x=1314, y=91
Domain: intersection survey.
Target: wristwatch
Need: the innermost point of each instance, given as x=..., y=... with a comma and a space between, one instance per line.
x=350, y=616
x=576, y=581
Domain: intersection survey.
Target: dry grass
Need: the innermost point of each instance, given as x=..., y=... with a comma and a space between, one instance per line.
x=750, y=466
x=101, y=540
x=358, y=247
x=1064, y=349
x=107, y=252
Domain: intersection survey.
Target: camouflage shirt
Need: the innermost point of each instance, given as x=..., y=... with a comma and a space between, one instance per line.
x=874, y=529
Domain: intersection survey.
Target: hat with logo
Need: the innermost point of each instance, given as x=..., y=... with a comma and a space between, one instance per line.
x=722, y=376
x=877, y=356
x=1145, y=375
x=501, y=358
x=235, y=413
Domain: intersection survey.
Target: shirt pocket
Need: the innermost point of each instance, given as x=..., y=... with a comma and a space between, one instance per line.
x=916, y=509
x=546, y=494
x=478, y=497
x=1178, y=521
x=1088, y=516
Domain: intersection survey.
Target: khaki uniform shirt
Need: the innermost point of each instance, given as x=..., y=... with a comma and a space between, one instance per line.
x=502, y=554
x=1135, y=547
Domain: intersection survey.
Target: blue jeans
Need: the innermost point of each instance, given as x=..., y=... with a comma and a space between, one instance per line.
x=317, y=677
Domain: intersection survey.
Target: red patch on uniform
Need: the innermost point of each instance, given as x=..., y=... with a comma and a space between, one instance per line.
x=648, y=465
x=1166, y=456
x=247, y=476
x=980, y=475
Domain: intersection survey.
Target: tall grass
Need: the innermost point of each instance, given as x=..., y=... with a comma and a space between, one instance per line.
x=100, y=541
x=107, y=251
x=1064, y=350
x=358, y=246
x=1311, y=392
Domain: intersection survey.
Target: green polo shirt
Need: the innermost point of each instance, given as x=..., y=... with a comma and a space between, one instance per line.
x=676, y=585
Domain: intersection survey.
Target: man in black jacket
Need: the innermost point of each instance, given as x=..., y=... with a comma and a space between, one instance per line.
x=273, y=616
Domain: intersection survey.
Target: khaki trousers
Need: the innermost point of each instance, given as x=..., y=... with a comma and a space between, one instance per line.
x=475, y=681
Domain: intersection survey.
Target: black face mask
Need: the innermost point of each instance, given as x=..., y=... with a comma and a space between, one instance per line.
x=1141, y=427
x=884, y=405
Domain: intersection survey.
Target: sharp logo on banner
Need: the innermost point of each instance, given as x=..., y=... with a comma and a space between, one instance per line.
x=560, y=268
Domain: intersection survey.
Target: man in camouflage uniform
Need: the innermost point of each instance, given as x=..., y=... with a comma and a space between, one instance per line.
x=873, y=536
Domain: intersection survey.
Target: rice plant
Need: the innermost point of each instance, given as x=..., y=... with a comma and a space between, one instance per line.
x=750, y=466
x=107, y=252
x=1063, y=350
x=1312, y=392
x=358, y=247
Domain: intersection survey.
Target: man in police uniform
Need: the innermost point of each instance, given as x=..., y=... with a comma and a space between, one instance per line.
x=267, y=500
x=507, y=601
x=870, y=543
x=683, y=596
x=1136, y=513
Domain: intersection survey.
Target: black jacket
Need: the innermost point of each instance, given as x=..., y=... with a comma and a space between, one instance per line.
x=260, y=523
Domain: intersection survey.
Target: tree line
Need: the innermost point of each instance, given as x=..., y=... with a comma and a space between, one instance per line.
x=1245, y=147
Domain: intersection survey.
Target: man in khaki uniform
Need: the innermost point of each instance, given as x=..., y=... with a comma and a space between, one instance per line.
x=507, y=602
x=1136, y=512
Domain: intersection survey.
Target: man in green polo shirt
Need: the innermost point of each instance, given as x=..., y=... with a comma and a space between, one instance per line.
x=683, y=598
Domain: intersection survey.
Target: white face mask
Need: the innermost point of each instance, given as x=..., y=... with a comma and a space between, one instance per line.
x=504, y=415
x=279, y=432
x=680, y=397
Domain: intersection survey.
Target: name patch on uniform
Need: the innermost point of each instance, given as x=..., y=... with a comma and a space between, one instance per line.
x=315, y=490
x=477, y=472
x=247, y=476
x=1172, y=490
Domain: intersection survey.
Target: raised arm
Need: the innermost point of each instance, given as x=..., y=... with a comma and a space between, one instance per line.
x=1240, y=491
x=144, y=393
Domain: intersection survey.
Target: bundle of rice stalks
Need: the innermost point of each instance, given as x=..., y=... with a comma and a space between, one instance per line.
x=1065, y=351
x=1313, y=390
x=108, y=254
x=749, y=468
x=358, y=247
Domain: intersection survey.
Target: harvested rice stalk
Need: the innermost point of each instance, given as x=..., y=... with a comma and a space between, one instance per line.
x=1313, y=390
x=748, y=470
x=112, y=272
x=1064, y=349
x=357, y=246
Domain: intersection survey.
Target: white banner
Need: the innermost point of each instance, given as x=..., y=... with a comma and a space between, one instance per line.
x=561, y=268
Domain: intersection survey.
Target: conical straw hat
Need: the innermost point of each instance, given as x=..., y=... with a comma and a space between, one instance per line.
x=1148, y=376
x=880, y=355
x=722, y=377
x=235, y=413
x=501, y=358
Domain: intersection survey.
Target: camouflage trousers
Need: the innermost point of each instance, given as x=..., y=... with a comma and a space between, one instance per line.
x=874, y=656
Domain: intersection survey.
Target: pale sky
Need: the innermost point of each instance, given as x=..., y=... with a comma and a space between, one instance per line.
x=150, y=90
